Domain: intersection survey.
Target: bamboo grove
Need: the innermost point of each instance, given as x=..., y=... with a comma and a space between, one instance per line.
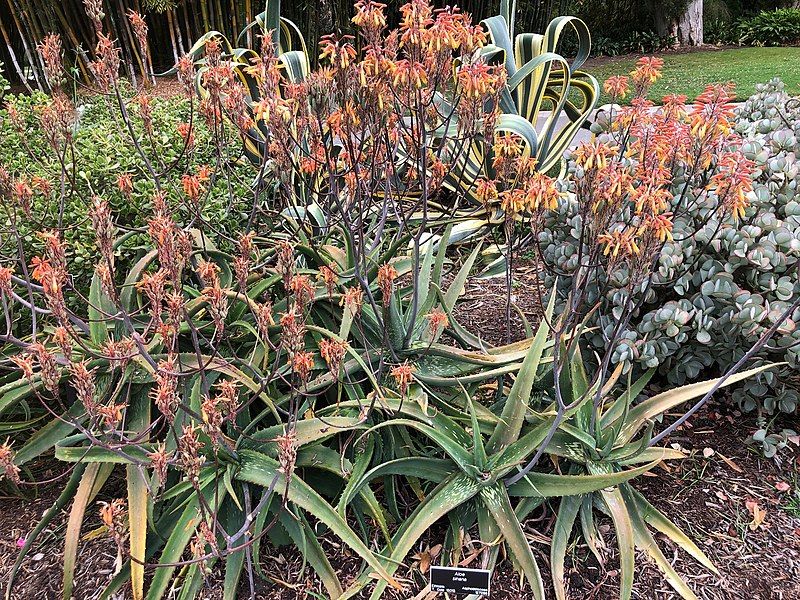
x=174, y=25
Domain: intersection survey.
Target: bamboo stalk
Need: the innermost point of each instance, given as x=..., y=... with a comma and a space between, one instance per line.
x=31, y=55
x=181, y=49
x=172, y=36
x=13, y=56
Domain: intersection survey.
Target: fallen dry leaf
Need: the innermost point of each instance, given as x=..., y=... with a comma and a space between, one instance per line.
x=782, y=486
x=730, y=463
x=758, y=514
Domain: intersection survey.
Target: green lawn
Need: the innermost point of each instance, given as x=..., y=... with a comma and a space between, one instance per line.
x=689, y=73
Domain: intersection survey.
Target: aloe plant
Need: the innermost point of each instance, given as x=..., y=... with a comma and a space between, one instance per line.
x=471, y=456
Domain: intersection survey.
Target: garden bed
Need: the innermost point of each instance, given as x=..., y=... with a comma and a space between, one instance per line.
x=710, y=495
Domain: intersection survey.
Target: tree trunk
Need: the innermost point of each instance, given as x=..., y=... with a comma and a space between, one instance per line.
x=688, y=28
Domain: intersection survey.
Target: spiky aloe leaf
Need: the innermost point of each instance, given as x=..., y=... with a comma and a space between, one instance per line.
x=644, y=540
x=452, y=492
x=63, y=499
x=623, y=527
x=138, y=416
x=262, y=470
x=306, y=541
x=661, y=403
x=179, y=536
x=92, y=481
x=552, y=485
x=567, y=512
x=445, y=439
x=508, y=430
x=497, y=502
x=659, y=521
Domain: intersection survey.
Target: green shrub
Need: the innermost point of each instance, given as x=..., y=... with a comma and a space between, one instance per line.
x=101, y=151
x=4, y=84
x=772, y=28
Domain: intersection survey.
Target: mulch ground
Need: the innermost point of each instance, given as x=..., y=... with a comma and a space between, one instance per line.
x=743, y=510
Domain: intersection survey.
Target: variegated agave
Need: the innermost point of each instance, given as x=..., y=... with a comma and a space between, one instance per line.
x=536, y=78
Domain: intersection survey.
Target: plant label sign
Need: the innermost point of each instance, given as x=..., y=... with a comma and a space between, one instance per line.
x=455, y=580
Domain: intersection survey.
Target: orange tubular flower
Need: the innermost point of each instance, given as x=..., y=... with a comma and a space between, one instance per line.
x=5, y=280
x=648, y=70
x=437, y=321
x=328, y=275
x=370, y=15
x=339, y=52
x=301, y=288
x=191, y=186
x=541, y=193
x=660, y=226
x=403, y=375
x=386, y=276
x=486, y=191
x=616, y=87
x=332, y=352
x=590, y=156
x=619, y=244
x=302, y=364
x=353, y=299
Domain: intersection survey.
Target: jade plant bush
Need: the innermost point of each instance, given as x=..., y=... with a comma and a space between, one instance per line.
x=722, y=279
x=300, y=371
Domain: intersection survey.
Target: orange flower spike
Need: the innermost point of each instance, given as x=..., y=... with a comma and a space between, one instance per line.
x=7, y=467
x=590, y=156
x=41, y=268
x=300, y=286
x=328, y=275
x=403, y=375
x=619, y=243
x=370, y=15
x=125, y=184
x=353, y=299
x=648, y=69
x=24, y=364
x=386, y=276
x=5, y=280
x=191, y=186
x=661, y=226
x=302, y=364
x=616, y=87
x=486, y=191
x=437, y=321
x=541, y=193
x=332, y=352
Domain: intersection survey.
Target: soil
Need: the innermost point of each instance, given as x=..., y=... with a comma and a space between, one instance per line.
x=712, y=495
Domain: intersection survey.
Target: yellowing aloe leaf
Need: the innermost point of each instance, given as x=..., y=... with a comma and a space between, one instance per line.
x=93, y=479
